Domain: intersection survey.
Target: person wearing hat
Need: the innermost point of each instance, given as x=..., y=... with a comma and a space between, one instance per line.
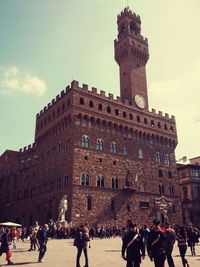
x=132, y=247
x=156, y=245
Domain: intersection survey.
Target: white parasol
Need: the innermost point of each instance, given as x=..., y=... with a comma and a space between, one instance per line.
x=10, y=224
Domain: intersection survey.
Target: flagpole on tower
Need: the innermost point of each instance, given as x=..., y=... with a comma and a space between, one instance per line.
x=127, y=4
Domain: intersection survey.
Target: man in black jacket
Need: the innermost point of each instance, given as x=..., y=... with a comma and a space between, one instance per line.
x=132, y=247
x=42, y=236
x=155, y=245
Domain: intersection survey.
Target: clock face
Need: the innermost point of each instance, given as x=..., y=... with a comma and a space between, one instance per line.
x=140, y=101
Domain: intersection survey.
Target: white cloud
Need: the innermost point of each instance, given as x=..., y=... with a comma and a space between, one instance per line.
x=13, y=80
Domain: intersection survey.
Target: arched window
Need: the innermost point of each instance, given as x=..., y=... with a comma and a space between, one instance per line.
x=138, y=118
x=159, y=125
x=113, y=148
x=91, y=104
x=170, y=175
x=160, y=173
x=66, y=181
x=85, y=179
x=89, y=203
x=100, y=181
x=108, y=109
x=100, y=106
x=85, y=141
x=28, y=163
x=115, y=184
x=116, y=112
x=140, y=153
x=81, y=101
x=167, y=159
x=158, y=157
x=161, y=189
x=99, y=144
x=125, y=150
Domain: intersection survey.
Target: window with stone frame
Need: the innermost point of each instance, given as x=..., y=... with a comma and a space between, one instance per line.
x=28, y=163
x=85, y=141
x=158, y=157
x=99, y=144
x=58, y=183
x=171, y=190
x=140, y=153
x=89, y=203
x=161, y=189
x=167, y=159
x=108, y=109
x=100, y=180
x=100, y=107
x=113, y=148
x=81, y=101
x=66, y=180
x=85, y=179
x=125, y=150
x=115, y=184
x=91, y=104
x=160, y=173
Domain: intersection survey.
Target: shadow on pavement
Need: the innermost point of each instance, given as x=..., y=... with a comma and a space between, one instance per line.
x=117, y=250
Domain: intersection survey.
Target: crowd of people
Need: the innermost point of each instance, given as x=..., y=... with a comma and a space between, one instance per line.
x=156, y=241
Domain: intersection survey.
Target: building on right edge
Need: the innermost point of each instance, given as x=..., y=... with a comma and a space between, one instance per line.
x=189, y=181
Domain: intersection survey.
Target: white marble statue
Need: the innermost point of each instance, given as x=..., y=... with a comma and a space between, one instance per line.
x=62, y=209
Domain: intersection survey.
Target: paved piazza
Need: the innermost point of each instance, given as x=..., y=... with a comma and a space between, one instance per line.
x=104, y=252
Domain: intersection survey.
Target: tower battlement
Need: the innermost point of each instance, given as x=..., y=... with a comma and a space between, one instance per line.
x=28, y=148
x=54, y=101
x=126, y=12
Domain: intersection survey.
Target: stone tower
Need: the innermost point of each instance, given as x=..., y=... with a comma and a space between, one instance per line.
x=131, y=54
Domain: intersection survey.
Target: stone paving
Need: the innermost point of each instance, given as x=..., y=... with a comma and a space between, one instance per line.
x=104, y=252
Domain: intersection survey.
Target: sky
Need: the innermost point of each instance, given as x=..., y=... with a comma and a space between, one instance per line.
x=45, y=44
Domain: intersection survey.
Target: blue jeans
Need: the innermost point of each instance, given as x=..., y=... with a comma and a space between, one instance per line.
x=43, y=249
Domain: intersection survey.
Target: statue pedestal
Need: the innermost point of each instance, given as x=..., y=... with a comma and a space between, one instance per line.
x=62, y=223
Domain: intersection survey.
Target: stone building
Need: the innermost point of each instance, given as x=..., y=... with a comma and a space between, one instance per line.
x=112, y=157
x=189, y=181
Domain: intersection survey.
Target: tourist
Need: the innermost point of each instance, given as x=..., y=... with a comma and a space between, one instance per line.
x=182, y=244
x=5, y=243
x=133, y=247
x=192, y=238
x=80, y=241
x=169, y=243
x=42, y=239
